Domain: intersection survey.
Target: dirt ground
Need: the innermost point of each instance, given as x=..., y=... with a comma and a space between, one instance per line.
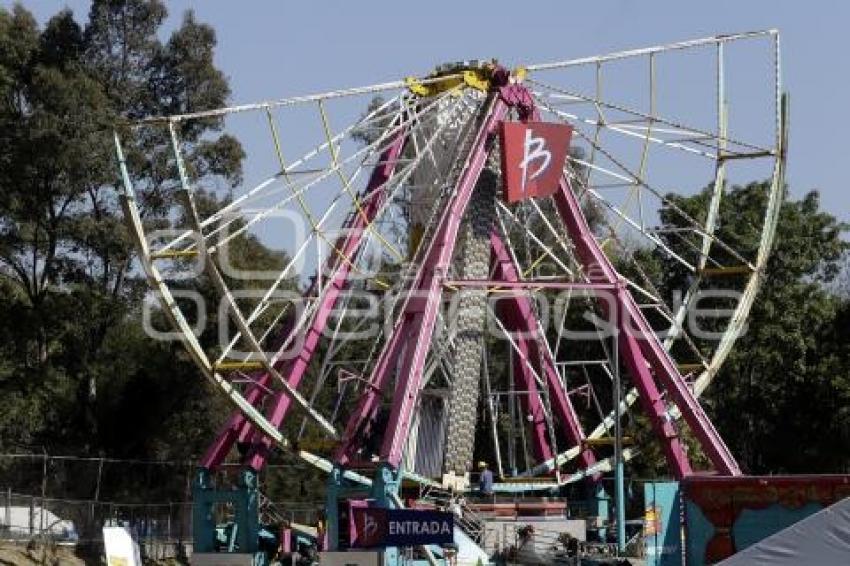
x=12, y=554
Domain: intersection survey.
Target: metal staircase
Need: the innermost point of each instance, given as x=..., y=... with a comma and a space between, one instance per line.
x=470, y=522
x=270, y=514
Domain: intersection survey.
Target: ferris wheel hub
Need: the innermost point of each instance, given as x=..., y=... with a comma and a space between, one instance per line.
x=456, y=76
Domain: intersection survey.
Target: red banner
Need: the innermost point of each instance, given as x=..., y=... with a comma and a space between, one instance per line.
x=533, y=155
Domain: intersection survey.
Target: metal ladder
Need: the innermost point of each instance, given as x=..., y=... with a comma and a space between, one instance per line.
x=270, y=513
x=468, y=521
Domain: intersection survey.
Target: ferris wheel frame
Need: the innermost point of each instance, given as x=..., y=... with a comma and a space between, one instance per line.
x=515, y=90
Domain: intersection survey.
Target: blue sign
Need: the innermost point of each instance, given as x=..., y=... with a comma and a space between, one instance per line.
x=401, y=527
x=409, y=527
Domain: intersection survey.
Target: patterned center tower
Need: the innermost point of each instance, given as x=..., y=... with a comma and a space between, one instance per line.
x=473, y=262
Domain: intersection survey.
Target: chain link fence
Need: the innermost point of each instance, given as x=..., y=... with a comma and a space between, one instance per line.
x=68, y=500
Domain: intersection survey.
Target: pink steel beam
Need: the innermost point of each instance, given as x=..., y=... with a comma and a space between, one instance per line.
x=631, y=322
x=238, y=428
x=699, y=422
x=524, y=381
x=520, y=313
x=423, y=312
x=528, y=284
x=411, y=338
x=599, y=269
x=235, y=426
x=359, y=423
x=650, y=397
x=297, y=366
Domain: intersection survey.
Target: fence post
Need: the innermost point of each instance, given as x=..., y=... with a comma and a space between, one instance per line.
x=32, y=514
x=188, y=497
x=9, y=508
x=43, y=492
x=99, y=475
x=179, y=517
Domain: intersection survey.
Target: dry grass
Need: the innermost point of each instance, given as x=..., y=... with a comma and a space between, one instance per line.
x=23, y=554
x=32, y=554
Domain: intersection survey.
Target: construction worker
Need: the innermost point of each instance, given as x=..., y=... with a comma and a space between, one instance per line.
x=485, y=480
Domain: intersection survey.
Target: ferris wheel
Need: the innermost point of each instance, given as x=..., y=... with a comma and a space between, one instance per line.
x=438, y=320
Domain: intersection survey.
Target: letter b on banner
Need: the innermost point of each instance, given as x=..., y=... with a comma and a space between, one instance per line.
x=533, y=155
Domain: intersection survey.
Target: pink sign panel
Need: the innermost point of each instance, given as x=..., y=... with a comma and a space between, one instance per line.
x=533, y=155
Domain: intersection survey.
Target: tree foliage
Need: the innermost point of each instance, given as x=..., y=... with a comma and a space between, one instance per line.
x=76, y=363
x=78, y=374
x=782, y=397
x=780, y=400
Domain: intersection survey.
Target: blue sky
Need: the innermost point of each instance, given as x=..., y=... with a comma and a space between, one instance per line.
x=274, y=49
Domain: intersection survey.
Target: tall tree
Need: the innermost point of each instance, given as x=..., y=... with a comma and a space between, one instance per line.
x=65, y=257
x=780, y=400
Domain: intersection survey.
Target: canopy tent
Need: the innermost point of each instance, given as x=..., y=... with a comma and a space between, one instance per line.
x=822, y=538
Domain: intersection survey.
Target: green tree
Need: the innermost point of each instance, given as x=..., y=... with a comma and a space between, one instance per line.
x=71, y=292
x=780, y=400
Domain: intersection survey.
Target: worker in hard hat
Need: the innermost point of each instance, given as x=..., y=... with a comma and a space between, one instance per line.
x=485, y=480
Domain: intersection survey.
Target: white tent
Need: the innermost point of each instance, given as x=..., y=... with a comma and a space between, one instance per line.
x=20, y=519
x=822, y=538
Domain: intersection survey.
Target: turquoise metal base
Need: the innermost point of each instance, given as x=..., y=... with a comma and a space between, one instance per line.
x=243, y=533
x=600, y=507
